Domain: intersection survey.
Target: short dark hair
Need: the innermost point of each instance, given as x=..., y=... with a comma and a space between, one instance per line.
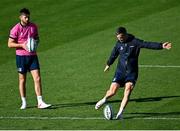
x=24, y=11
x=121, y=30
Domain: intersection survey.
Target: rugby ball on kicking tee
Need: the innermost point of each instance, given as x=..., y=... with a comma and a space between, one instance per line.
x=31, y=44
x=108, y=112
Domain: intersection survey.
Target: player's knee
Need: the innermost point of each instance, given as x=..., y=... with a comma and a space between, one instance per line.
x=22, y=79
x=129, y=86
x=127, y=91
x=113, y=89
x=37, y=79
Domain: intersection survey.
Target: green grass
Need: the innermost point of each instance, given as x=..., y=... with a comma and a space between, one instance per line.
x=76, y=39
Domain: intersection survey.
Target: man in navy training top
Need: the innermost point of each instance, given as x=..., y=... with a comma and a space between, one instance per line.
x=128, y=48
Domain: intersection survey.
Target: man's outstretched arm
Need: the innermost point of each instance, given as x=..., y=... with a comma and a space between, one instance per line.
x=153, y=45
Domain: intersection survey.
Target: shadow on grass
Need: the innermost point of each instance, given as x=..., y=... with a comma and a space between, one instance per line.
x=149, y=99
x=134, y=115
x=150, y=115
x=66, y=105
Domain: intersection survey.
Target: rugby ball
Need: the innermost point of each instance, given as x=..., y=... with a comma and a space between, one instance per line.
x=108, y=112
x=31, y=45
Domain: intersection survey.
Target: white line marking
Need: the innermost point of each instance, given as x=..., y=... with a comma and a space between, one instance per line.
x=84, y=118
x=160, y=66
x=54, y=118
x=159, y=118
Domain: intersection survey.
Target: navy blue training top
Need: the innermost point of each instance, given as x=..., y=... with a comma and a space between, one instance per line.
x=128, y=53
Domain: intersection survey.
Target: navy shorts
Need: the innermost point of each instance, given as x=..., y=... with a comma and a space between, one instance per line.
x=123, y=79
x=27, y=63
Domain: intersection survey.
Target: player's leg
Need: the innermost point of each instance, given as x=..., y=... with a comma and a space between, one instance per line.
x=22, y=89
x=111, y=92
x=38, y=89
x=37, y=82
x=127, y=92
x=22, y=70
x=35, y=72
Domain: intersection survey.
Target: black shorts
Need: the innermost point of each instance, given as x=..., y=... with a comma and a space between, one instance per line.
x=27, y=63
x=123, y=79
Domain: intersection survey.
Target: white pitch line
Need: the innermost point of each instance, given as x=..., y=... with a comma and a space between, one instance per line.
x=83, y=118
x=159, y=118
x=54, y=118
x=160, y=66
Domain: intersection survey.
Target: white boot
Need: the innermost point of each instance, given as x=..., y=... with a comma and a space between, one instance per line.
x=43, y=105
x=23, y=106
